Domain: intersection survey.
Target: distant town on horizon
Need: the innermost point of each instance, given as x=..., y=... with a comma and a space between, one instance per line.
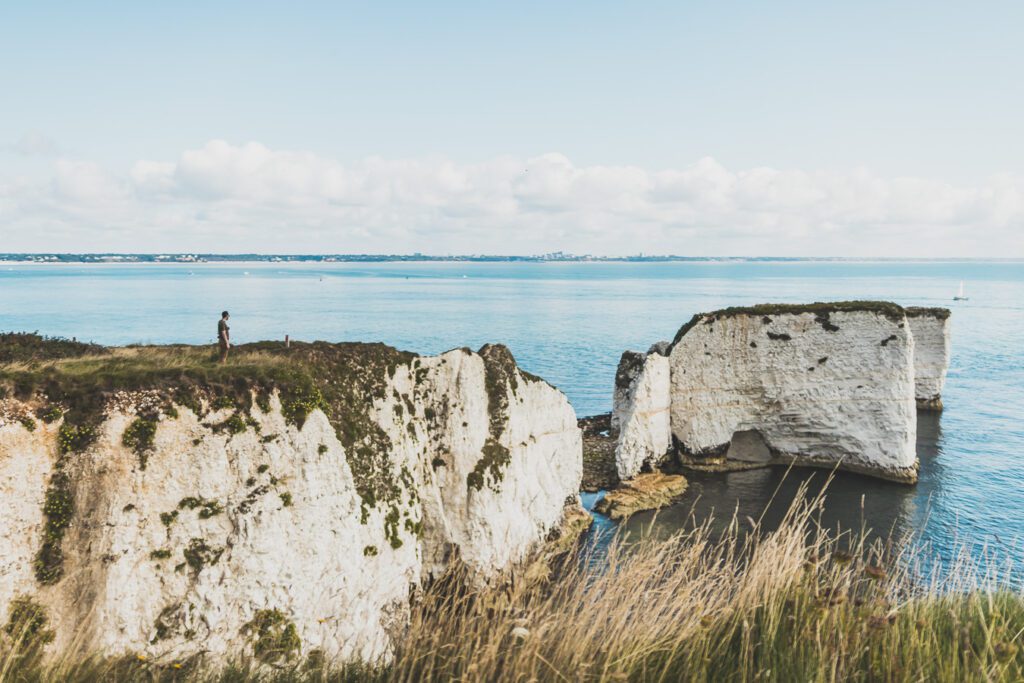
x=557, y=256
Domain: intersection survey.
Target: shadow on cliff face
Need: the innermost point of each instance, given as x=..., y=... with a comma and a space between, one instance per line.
x=853, y=502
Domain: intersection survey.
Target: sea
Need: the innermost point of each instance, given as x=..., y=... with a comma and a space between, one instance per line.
x=570, y=321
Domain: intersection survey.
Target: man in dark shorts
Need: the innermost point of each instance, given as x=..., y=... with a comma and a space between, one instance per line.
x=223, y=336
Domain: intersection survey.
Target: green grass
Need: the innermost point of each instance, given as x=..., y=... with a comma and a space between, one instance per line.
x=31, y=346
x=797, y=604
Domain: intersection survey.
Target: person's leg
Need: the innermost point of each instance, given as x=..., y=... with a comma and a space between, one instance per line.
x=223, y=353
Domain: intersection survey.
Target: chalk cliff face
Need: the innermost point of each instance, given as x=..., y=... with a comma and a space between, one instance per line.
x=820, y=385
x=641, y=412
x=277, y=520
x=930, y=327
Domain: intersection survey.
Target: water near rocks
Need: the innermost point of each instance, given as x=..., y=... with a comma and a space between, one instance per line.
x=570, y=322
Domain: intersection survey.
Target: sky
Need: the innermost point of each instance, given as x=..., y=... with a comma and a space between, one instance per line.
x=693, y=128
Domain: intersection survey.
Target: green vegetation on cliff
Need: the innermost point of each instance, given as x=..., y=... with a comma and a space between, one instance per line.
x=342, y=379
x=925, y=311
x=78, y=381
x=821, y=310
x=501, y=377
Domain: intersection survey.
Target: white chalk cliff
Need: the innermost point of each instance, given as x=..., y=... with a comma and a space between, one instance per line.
x=233, y=530
x=930, y=327
x=822, y=385
x=640, y=412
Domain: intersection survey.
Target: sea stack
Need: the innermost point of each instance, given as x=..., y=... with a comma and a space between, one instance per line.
x=824, y=384
x=641, y=412
x=930, y=327
x=156, y=504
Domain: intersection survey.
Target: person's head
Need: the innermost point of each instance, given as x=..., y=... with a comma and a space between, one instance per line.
x=224, y=315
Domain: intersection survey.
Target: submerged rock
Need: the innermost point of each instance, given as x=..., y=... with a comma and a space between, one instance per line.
x=930, y=327
x=166, y=506
x=649, y=491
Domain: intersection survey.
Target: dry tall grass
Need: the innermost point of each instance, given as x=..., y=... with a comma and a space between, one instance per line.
x=792, y=605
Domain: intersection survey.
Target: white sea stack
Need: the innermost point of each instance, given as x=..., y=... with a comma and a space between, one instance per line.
x=235, y=516
x=641, y=412
x=930, y=327
x=823, y=384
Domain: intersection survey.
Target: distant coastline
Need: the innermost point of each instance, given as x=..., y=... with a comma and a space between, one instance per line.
x=554, y=257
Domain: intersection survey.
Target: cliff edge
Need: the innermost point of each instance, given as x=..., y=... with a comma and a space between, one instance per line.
x=291, y=501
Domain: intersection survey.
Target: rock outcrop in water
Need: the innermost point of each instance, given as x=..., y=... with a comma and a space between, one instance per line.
x=641, y=412
x=930, y=327
x=152, y=502
x=820, y=384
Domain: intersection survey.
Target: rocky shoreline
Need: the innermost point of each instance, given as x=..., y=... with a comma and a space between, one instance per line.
x=599, y=441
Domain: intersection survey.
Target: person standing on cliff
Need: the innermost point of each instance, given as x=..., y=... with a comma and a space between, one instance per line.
x=223, y=336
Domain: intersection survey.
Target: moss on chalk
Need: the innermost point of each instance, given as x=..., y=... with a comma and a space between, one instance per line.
x=57, y=509
x=75, y=438
x=26, y=625
x=274, y=637
x=501, y=378
x=140, y=436
x=207, y=508
x=50, y=414
x=199, y=554
x=490, y=468
x=168, y=518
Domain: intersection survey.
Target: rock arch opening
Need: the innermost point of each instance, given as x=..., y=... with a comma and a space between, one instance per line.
x=749, y=445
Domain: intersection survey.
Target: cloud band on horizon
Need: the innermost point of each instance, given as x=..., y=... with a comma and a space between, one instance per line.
x=223, y=197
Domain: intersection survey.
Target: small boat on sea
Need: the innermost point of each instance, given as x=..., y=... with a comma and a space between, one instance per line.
x=960, y=295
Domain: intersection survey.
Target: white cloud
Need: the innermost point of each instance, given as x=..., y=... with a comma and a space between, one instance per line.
x=34, y=144
x=225, y=197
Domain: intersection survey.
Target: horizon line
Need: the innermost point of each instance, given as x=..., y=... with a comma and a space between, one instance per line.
x=190, y=256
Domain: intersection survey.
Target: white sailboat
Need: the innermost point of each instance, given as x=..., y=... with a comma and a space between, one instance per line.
x=960, y=295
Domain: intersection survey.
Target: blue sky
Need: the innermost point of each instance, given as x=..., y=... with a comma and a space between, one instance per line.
x=828, y=96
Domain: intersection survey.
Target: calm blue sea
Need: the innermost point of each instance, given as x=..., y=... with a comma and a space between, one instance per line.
x=569, y=322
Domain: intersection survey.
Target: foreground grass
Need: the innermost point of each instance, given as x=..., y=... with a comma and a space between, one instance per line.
x=792, y=605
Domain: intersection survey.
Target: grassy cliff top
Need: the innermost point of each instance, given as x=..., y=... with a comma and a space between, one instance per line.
x=62, y=379
x=924, y=311
x=821, y=309
x=80, y=375
x=31, y=346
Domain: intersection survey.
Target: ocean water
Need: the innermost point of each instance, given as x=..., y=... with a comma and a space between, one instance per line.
x=569, y=322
